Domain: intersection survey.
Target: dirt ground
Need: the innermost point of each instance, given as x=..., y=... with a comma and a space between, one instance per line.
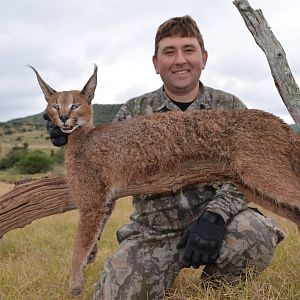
x=5, y=187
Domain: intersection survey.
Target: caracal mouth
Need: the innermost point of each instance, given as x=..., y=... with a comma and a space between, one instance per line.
x=68, y=129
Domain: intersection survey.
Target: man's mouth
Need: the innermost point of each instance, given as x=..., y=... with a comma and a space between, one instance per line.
x=181, y=72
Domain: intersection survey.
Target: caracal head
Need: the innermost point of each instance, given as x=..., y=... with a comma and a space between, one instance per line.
x=69, y=109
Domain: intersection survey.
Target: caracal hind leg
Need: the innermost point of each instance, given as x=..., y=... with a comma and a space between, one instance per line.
x=88, y=229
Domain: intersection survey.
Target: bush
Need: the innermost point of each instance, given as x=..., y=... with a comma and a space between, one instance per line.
x=58, y=156
x=8, y=131
x=33, y=162
x=13, y=156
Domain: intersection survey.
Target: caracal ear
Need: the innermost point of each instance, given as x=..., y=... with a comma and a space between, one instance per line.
x=89, y=89
x=47, y=90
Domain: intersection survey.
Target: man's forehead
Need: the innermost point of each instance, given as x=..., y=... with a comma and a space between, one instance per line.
x=177, y=41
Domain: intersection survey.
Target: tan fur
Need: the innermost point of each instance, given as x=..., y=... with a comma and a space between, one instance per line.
x=161, y=152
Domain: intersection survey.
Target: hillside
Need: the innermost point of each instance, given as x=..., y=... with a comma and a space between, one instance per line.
x=31, y=129
x=295, y=128
x=103, y=113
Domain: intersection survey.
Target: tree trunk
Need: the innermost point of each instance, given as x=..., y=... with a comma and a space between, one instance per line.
x=265, y=39
x=34, y=200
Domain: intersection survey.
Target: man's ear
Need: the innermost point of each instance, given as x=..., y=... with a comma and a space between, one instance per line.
x=89, y=89
x=155, y=64
x=204, y=59
x=46, y=89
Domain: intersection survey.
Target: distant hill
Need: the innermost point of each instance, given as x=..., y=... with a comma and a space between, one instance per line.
x=295, y=128
x=103, y=113
x=31, y=130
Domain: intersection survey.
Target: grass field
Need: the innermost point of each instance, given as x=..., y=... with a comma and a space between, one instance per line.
x=36, y=139
x=35, y=263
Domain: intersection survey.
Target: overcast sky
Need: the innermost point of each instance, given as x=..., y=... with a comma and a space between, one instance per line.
x=63, y=38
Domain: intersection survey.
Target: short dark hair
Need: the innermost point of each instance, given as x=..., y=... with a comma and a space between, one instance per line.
x=179, y=26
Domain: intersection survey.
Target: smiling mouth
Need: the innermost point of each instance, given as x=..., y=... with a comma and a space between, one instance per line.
x=181, y=72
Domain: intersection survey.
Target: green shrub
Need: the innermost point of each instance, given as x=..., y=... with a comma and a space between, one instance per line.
x=58, y=156
x=33, y=162
x=13, y=156
x=8, y=131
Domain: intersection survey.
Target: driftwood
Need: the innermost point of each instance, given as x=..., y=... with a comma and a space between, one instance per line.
x=34, y=200
x=51, y=195
x=281, y=72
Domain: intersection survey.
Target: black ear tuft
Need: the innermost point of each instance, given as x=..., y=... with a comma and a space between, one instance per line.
x=47, y=90
x=90, y=86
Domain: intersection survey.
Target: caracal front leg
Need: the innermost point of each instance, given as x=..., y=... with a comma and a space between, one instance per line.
x=90, y=223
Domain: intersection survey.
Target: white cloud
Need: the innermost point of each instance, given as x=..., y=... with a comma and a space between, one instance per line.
x=63, y=38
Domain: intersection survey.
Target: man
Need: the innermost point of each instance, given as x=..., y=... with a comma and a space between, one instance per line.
x=198, y=224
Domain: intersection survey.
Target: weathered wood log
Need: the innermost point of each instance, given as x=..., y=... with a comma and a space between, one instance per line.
x=51, y=195
x=281, y=72
x=33, y=200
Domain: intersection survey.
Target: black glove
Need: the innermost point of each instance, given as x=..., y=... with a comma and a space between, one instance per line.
x=57, y=137
x=202, y=240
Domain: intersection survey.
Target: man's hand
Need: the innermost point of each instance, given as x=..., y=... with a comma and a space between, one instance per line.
x=57, y=137
x=202, y=240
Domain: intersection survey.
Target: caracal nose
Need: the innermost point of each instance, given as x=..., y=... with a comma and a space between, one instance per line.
x=64, y=118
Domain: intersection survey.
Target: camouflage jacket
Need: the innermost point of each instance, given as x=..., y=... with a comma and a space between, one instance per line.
x=176, y=210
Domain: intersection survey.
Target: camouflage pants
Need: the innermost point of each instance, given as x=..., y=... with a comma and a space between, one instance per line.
x=147, y=261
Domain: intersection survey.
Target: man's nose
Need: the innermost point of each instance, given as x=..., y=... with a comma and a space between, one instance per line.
x=180, y=57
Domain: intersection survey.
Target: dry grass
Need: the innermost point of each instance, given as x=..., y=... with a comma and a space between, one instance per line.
x=35, y=261
x=36, y=139
x=35, y=264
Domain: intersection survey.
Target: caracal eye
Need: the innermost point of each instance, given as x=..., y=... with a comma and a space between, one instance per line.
x=74, y=106
x=55, y=106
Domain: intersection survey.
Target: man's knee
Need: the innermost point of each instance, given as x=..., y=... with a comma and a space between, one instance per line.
x=143, y=267
x=250, y=242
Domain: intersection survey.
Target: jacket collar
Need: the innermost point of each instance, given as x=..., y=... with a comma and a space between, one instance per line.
x=164, y=103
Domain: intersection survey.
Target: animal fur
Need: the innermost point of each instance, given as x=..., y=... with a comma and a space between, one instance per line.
x=254, y=149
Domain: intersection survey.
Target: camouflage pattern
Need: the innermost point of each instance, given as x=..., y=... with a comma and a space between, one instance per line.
x=158, y=101
x=249, y=243
x=147, y=261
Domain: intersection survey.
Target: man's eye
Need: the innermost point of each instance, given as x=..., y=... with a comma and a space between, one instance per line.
x=55, y=106
x=74, y=106
x=169, y=52
x=189, y=50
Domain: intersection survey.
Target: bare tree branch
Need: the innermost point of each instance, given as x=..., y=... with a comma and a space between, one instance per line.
x=265, y=39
